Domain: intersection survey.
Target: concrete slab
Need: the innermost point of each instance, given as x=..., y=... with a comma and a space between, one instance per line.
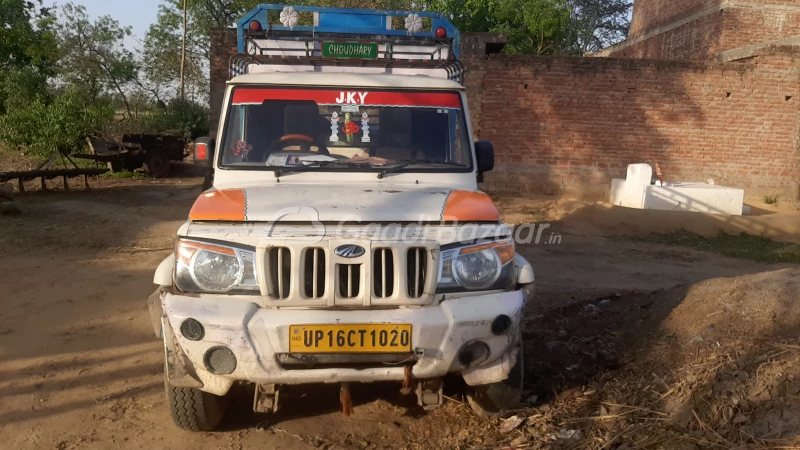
x=695, y=197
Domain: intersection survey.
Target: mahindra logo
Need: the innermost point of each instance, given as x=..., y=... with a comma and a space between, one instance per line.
x=349, y=251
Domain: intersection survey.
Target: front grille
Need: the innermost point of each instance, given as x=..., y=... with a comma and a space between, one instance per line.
x=303, y=274
x=416, y=271
x=314, y=272
x=383, y=273
x=279, y=264
x=349, y=280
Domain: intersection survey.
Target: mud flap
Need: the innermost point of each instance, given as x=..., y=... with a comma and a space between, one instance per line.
x=180, y=371
x=156, y=310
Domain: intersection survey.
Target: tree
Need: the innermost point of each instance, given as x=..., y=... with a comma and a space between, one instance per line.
x=596, y=24
x=179, y=117
x=531, y=26
x=61, y=125
x=21, y=86
x=26, y=39
x=93, y=57
x=161, y=57
x=27, y=52
x=571, y=27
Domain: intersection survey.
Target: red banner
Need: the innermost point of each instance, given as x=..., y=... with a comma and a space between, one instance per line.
x=358, y=97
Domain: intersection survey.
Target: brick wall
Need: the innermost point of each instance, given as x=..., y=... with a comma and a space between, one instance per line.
x=649, y=14
x=571, y=124
x=223, y=46
x=701, y=29
x=700, y=40
x=744, y=26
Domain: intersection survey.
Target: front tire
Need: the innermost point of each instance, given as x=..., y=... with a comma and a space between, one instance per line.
x=193, y=409
x=492, y=400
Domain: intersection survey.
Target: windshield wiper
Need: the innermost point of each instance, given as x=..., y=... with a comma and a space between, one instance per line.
x=411, y=162
x=314, y=165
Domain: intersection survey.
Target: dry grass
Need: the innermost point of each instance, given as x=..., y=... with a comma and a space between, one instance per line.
x=687, y=406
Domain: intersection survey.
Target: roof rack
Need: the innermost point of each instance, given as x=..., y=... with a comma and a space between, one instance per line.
x=344, y=37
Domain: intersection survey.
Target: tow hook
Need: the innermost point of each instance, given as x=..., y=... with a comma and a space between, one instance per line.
x=429, y=393
x=266, y=398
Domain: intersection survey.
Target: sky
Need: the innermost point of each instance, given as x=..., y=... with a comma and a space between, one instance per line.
x=138, y=14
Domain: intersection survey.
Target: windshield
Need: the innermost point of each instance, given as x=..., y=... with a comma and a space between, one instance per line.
x=356, y=130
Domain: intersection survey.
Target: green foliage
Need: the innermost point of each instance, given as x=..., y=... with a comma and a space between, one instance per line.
x=21, y=86
x=93, y=58
x=61, y=125
x=542, y=26
x=179, y=117
x=743, y=246
x=771, y=199
x=122, y=174
x=532, y=27
x=595, y=25
x=28, y=52
x=25, y=36
x=161, y=58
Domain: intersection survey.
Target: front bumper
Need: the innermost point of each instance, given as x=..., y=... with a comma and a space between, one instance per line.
x=256, y=336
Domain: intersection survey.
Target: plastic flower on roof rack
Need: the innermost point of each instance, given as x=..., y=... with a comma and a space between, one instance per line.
x=413, y=23
x=289, y=17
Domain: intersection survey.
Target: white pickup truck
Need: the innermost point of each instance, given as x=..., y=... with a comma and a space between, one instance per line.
x=344, y=238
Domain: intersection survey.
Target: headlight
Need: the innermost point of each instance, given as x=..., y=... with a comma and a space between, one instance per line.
x=476, y=267
x=211, y=267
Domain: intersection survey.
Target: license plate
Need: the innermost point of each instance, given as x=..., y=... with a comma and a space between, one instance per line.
x=350, y=338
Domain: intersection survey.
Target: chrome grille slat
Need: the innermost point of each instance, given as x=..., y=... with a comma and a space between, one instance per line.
x=383, y=273
x=314, y=274
x=417, y=271
x=279, y=279
x=280, y=273
x=349, y=280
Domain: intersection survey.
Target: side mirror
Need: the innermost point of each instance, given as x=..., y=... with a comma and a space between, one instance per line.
x=484, y=152
x=204, y=152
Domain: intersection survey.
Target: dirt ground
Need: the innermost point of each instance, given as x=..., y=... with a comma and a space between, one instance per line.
x=627, y=345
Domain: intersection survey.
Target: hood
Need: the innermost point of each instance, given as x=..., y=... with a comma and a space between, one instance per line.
x=303, y=203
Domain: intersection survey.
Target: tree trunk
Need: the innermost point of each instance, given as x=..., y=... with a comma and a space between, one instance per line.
x=183, y=55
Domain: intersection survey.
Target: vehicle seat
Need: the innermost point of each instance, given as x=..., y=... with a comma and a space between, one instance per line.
x=299, y=119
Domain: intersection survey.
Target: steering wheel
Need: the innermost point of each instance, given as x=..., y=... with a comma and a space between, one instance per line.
x=304, y=140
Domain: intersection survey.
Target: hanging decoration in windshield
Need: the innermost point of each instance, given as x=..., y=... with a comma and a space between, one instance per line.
x=257, y=96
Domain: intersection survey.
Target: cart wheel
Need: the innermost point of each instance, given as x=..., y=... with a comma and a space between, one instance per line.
x=157, y=163
x=115, y=166
x=131, y=166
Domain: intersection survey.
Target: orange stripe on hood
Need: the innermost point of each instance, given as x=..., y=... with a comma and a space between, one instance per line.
x=466, y=206
x=227, y=204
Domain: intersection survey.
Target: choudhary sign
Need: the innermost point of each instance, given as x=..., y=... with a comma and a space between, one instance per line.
x=350, y=50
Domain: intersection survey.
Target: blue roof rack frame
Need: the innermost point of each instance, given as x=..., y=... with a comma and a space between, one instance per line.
x=345, y=23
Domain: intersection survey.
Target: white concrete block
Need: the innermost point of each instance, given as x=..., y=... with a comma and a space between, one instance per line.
x=695, y=197
x=641, y=174
x=629, y=195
